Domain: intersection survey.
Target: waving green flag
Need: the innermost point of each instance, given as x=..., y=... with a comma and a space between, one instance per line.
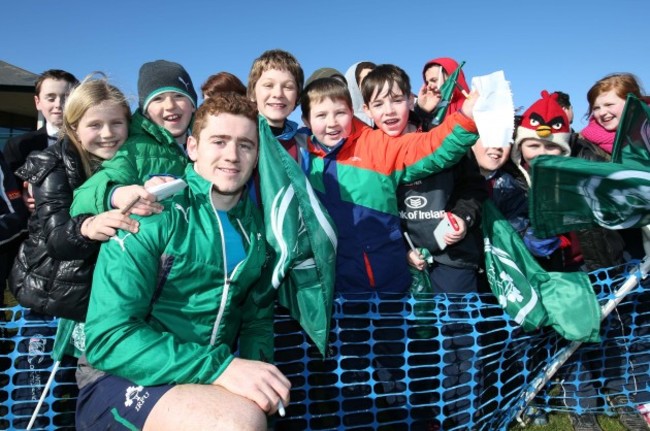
x=531, y=296
x=446, y=92
x=569, y=194
x=302, y=237
x=633, y=135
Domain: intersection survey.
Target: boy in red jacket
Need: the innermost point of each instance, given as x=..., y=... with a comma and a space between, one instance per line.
x=355, y=172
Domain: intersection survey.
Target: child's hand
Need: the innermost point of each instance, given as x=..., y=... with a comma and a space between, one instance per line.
x=103, y=226
x=146, y=205
x=28, y=199
x=416, y=260
x=454, y=237
x=540, y=247
x=427, y=99
x=468, y=105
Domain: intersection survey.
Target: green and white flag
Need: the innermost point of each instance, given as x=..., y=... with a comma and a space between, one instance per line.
x=531, y=296
x=569, y=193
x=633, y=135
x=302, y=237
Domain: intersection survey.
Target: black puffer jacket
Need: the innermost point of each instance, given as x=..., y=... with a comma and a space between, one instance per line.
x=52, y=273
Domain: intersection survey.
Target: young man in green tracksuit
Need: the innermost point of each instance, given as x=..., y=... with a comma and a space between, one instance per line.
x=172, y=303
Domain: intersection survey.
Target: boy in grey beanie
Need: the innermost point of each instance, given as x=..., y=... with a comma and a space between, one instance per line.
x=155, y=148
x=160, y=76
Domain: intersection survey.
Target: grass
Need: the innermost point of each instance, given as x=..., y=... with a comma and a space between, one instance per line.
x=561, y=422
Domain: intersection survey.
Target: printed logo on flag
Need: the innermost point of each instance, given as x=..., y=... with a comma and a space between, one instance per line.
x=512, y=288
x=619, y=200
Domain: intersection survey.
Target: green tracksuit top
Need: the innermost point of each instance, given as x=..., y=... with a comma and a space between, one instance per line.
x=149, y=150
x=163, y=308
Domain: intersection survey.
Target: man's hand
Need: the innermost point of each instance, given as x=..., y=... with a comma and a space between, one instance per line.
x=262, y=383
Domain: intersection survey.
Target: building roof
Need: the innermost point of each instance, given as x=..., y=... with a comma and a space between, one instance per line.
x=17, y=90
x=13, y=76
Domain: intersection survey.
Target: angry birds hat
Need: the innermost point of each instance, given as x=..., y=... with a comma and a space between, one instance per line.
x=545, y=120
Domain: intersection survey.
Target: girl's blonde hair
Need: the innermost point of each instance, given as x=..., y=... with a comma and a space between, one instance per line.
x=93, y=90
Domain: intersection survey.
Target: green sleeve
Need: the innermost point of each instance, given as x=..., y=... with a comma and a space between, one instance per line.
x=256, y=334
x=122, y=337
x=93, y=195
x=453, y=147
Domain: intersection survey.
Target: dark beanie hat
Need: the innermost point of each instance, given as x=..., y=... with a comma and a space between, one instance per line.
x=161, y=76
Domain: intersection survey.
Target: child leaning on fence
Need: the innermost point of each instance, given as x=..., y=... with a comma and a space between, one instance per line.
x=52, y=273
x=543, y=130
x=355, y=172
x=457, y=192
x=53, y=270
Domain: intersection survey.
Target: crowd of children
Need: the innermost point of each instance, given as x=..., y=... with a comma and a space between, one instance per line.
x=386, y=172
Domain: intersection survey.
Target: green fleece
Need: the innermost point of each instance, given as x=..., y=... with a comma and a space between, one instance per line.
x=149, y=150
x=163, y=309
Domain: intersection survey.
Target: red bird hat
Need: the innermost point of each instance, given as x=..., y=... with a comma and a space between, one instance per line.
x=545, y=120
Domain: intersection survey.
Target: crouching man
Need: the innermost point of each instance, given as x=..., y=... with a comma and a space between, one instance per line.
x=172, y=303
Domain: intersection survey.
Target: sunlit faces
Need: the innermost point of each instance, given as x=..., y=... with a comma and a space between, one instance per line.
x=531, y=148
x=276, y=93
x=490, y=159
x=51, y=100
x=226, y=152
x=389, y=110
x=434, y=78
x=103, y=129
x=173, y=111
x=607, y=110
x=330, y=121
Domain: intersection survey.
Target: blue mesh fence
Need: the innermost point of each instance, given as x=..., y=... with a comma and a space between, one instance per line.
x=26, y=341
x=395, y=363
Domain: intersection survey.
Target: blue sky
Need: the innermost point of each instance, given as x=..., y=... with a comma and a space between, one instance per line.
x=556, y=44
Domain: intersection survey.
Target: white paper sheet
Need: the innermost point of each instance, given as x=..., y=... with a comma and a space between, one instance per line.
x=494, y=111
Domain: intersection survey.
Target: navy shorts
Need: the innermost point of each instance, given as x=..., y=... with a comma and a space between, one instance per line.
x=114, y=403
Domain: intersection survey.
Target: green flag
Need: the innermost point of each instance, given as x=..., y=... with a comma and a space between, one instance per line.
x=446, y=92
x=569, y=194
x=633, y=135
x=531, y=296
x=302, y=237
